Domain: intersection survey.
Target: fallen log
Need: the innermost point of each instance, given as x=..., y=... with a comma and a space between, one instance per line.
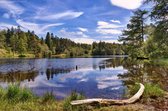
x=111, y=101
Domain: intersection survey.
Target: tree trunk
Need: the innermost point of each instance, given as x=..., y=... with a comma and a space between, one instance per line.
x=111, y=101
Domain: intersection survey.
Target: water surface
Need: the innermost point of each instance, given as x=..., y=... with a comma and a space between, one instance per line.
x=94, y=77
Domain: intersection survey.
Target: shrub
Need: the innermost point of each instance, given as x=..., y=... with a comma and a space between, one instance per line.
x=22, y=56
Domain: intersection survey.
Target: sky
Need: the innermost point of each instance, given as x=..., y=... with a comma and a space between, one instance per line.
x=82, y=21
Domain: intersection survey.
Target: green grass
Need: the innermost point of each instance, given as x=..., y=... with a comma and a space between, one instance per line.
x=74, y=96
x=15, y=98
x=48, y=97
x=151, y=91
x=16, y=94
x=161, y=61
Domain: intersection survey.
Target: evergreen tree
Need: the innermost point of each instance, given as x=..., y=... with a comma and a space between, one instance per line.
x=14, y=42
x=2, y=40
x=48, y=40
x=158, y=40
x=134, y=34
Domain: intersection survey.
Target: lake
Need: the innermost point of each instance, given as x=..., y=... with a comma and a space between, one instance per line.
x=93, y=77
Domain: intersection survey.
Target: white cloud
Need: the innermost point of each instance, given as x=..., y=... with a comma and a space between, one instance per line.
x=6, y=15
x=76, y=36
x=107, y=28
x=38, y=28
x=107, y=84
x=84, y=40
x=70, y=34
x=116, y=21
x=108, y=31
x=83, y=29
x=64, y=15
x=112, y=41
x=11, y=7
x=105, y=25
x=105, y=37
x=127, y=4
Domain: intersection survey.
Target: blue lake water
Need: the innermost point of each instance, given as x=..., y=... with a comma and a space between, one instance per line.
x=93, y=77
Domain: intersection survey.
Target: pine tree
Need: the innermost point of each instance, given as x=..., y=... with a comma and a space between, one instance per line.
x=48, y=40
x=2, y=40
x=134, y=34
x=14, y=43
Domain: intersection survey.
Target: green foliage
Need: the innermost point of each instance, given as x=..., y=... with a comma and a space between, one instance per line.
x=48, y=40
x=74, y=96
x=2, y=40
x=151, y=91
x=16, y=94
x=103, y=48
x=22, y=56
x=22, y=43
x=2, y=93
x=25, y=95
x=133, y=36
x=13, y=93
x=48, y=97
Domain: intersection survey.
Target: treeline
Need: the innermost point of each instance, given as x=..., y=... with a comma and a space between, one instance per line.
x=21, y=43
x=58, y=45
x=66, y=46
x=150, y=40
x=103, y=48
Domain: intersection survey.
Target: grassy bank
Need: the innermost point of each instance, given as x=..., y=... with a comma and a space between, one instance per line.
x=15, y=98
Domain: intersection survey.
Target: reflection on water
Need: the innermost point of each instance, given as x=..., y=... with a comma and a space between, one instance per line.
x=18, y=76
x=94, y=77
x=145, y=72
x=51, y=72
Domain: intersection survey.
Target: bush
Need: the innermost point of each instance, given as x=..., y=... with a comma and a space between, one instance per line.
x=22, y=55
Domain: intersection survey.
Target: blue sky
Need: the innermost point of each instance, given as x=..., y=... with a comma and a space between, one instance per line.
x=83, y=21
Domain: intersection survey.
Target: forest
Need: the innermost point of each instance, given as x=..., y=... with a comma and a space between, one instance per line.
x=139, y=39
x=17, y=42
